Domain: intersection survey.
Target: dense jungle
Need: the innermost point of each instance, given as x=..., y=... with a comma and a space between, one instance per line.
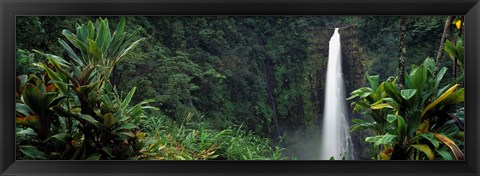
x=235, y=87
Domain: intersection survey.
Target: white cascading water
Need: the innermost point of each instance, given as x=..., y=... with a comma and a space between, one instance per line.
x=336, y=141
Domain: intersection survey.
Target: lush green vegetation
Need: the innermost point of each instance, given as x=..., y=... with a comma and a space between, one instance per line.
x=412, y=122
x=234, y=88
x=417, y=119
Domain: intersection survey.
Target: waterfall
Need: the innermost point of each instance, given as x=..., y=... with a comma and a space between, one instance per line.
x=336, y=140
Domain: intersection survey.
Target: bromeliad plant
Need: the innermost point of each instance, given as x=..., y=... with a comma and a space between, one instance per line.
x=72, y=111
x=34, y=100
x=420, y=121
x=98, y=46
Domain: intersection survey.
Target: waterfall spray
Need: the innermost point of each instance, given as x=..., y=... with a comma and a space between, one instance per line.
x=336, y=140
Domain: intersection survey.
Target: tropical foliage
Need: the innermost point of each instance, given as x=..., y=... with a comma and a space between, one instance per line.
x=230, y=87
x=72, y=111
x=420, y=121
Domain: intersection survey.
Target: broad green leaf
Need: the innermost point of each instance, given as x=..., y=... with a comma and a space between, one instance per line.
x=103, y=35
x=352, y=96
x=408, y=93
x=118, y=36
x=108, y=120
x=361, y=125
x=82, y=33
x=374, y=81
x=121, y=26
x=60, y=61
x=135, y=111
x=70, y=52
x=26, y=132
x=127, y=99
x=95, y=156
x=430, y=137
x=90, y=119
x=391, y=101
x=439, y=99
x=449, y=129
x=460, y=53
x=62, y=72
x=62, y=137
x=391, y=118
x=362, y=92
x=127, y=50
x=381, y=139
x=31, y=96
x=450, y=49
x=126, y=126
x=95, y=51
x=82, y=46
x=418, y=78
x=90, y=29
x=429, y=64
x=393, y=92
x=22, y=109
x=445, y=154
x=455, y=98
x=360, y=105
x=33, y=152
x=453, y=147
x=439, y=77
x=461, y=115
x=425, y=149
x=119, y=116
x=443, y=89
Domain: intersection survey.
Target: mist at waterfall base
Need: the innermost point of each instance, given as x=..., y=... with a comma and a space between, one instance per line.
x=335, y=141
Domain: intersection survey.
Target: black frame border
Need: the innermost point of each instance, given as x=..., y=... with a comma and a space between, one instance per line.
x=11, y=8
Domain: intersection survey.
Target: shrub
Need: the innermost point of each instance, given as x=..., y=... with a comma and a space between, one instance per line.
x=419, y=121
x=72, y=111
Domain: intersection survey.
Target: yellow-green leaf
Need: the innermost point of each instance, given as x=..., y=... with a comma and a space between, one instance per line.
x=425, y=149
x=381, y=106
x=455, y=98
x=423, y=127
x=440, y=99
x=108, y=120
x=455, y=150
